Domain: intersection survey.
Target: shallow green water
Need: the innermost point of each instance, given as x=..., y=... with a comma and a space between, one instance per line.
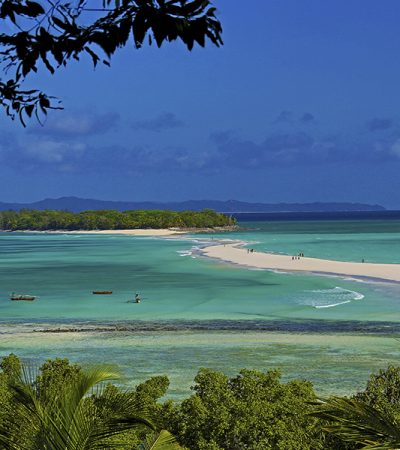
x=198, y=312
x=337, y=364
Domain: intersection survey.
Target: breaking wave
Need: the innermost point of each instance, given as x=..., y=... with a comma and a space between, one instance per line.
x=329, y=298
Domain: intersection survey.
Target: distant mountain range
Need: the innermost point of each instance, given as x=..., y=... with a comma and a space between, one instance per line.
x=76, y=204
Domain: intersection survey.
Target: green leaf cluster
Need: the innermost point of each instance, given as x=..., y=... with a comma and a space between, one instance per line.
x=253, y=410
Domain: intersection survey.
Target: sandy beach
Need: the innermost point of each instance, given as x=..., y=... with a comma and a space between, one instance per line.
x=138, y=232
x=135, y=232
x=234, y=253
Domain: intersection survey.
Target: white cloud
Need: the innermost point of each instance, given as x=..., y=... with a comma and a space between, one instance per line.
x=77, y=124
x=53, y=152
x=395, y=148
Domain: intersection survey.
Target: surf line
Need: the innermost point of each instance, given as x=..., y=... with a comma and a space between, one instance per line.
x=234, y=253
x=328, y=298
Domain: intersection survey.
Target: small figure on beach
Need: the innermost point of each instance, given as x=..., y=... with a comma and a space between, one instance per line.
x=362, y=260
x=137, y=298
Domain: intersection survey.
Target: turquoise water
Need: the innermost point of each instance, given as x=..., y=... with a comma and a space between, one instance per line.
x=347, y=240
x=199, y=312
x=175, y=284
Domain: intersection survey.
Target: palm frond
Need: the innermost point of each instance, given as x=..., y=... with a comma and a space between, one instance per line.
x=70, y=419
x=162, y=440
x=355, y=421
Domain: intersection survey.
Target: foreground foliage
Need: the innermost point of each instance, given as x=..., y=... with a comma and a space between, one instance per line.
x=59, y=409
x=46, y=35
x=64, y=408
x=111, y=220
x=253, y=410
x=371, y=419
x=356, y=421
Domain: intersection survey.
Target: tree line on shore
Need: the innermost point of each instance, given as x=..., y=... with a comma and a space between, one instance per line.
x=28, y=219
x=65, y=407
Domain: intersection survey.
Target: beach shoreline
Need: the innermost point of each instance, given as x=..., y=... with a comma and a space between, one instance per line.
x=133, y=232
x=234, y=253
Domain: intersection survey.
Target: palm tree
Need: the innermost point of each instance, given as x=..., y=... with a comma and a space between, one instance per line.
x=162, y=440
x=72, y=419
x=358, y=422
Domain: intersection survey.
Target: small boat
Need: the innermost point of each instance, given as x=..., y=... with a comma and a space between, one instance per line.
x=22, y=297
x=102, y=292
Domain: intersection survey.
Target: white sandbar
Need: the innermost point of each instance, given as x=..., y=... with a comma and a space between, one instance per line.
x=133, y=232
x=234, y=253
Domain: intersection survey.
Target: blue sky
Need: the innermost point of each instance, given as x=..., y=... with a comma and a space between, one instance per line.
x=299, y=105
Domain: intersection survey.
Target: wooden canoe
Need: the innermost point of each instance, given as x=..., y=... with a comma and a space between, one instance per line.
x=22, y=297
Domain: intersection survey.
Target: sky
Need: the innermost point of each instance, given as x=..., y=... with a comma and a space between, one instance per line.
x=301, y=104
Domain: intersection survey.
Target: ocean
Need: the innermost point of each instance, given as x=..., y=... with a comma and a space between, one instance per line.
x=197, y=312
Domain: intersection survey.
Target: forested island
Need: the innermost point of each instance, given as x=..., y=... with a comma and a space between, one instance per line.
x=30, y=219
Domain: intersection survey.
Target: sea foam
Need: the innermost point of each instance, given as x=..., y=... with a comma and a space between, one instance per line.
x=329, y=298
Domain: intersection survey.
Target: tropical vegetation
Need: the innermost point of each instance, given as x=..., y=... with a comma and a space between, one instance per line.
x=111, y=220
x=63, y=406
x=370, y=419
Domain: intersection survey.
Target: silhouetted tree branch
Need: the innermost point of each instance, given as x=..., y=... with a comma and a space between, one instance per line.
x=46, y=34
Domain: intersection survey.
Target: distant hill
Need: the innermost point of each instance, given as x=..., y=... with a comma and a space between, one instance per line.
x=76, y=204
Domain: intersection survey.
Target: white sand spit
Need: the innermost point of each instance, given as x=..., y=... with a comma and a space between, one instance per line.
x=135, y=232
x=144, y=232
x=234, y=253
